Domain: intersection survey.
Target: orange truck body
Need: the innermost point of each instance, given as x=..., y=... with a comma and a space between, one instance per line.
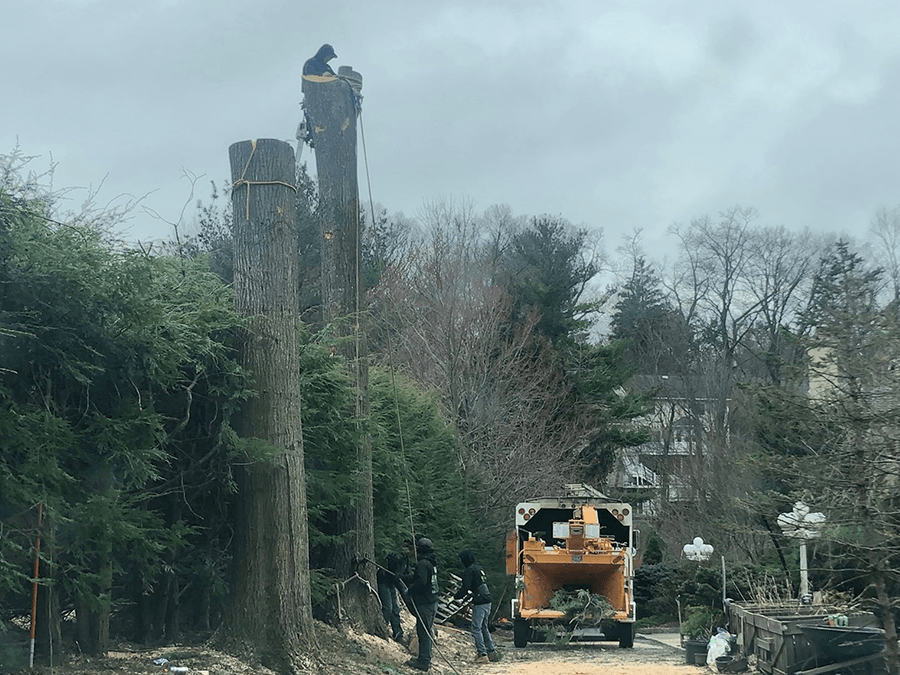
x=578, y=541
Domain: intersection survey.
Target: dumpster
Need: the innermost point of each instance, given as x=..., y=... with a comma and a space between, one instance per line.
x=783, y=644
x=837, y=644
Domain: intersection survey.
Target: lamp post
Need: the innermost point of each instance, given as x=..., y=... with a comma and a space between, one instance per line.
x=700, y=551
x=802, y=525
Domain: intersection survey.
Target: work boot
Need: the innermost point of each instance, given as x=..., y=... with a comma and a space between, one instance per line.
x=494, y=655
x=418, y=665
x=481, y=658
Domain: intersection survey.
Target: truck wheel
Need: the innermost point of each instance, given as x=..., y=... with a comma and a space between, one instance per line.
x=626, y=635
x=520, y=632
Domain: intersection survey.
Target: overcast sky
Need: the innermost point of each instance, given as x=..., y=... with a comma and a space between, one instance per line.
x=614, y=115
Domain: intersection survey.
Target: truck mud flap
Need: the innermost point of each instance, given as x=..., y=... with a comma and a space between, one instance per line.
x=626, y=635
x=522, y=632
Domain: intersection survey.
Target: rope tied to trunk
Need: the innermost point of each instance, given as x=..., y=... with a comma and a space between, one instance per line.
x=243, y=181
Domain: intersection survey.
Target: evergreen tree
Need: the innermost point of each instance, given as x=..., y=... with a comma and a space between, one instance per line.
x=659, y=339
x=547, y=268
x=419, y=490
x=117, y=378
x=599, y=373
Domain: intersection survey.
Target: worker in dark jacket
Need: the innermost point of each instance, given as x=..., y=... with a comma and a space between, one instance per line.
x=474, y=582
x=318, y=64
x=388, y=577
x=422, y=595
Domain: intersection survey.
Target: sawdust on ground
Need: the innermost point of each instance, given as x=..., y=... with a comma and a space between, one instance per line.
x=345, y=651
x=647, y=657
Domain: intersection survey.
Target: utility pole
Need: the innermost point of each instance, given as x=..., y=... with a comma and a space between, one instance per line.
x=332, y=106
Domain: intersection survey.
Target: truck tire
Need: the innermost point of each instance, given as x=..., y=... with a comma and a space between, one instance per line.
x=626, y=635
x=521, y=629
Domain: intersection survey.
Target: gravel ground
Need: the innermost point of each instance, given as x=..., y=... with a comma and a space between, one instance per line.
x=647, y=657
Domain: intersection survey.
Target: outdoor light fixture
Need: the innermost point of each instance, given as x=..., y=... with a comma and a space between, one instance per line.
x=802, y=525
x=701, y=552
x=697, y=550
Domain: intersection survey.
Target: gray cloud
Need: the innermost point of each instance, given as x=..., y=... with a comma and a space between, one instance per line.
x=613, y=115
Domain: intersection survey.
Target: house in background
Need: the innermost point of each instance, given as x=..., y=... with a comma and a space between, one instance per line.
x=663, y=469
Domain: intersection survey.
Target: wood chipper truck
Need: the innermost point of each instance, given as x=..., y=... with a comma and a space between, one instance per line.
x=578, y=541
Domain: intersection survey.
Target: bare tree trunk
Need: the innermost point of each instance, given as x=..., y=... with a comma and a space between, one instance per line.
x=272, y=611
x=93, y=602
x=331, y=106
x=49, y=639
x=886, y=607
x=92, y=611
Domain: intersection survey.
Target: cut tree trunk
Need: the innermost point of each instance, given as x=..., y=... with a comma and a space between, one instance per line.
x=331, y=107
x=271, y=611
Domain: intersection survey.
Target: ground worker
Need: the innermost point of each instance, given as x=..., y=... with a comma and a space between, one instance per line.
x=388, y=578
x=422, y=597
x=474, y=582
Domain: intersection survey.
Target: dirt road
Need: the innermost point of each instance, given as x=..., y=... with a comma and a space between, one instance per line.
x=648, y=657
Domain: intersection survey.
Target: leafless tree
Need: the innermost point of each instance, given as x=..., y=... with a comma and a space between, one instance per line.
x=779, y=279
x=885, y=230
x=450, y=329
x=729, y=275
x=853, y=471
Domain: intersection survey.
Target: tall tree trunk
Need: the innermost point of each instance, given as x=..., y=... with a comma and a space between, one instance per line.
x=92, y=611
x=331, y=106
x=93, y=603
x=272, y=610
x=48, y=641
x=886, y=609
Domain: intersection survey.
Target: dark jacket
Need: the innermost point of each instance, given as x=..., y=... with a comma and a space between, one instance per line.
x=474, y=580
x=318, y=64
x=423, y=583
x=397, y=568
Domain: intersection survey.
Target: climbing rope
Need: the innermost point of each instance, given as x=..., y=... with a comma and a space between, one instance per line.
x=412, y=527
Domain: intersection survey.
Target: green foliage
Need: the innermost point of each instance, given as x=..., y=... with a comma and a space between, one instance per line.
x=654, y=550
x=658, y=338
x=660, y=587
x=414, y=476
x=703, y=587
x=701, y=621
x=118, y=378
x=599, y=373
x=416, y=479
x=656, y=590
x=330, y=441
x=582, y=607
x=547, y=268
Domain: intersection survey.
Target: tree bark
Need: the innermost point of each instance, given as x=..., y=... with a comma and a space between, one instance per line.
x=48, y=642
x=92, y=611
x=93, y=603
x=331, y=107
x=272, y=611
x=886, y=609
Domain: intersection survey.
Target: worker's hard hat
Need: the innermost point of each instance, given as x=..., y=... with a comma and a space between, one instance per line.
x=424, y=544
